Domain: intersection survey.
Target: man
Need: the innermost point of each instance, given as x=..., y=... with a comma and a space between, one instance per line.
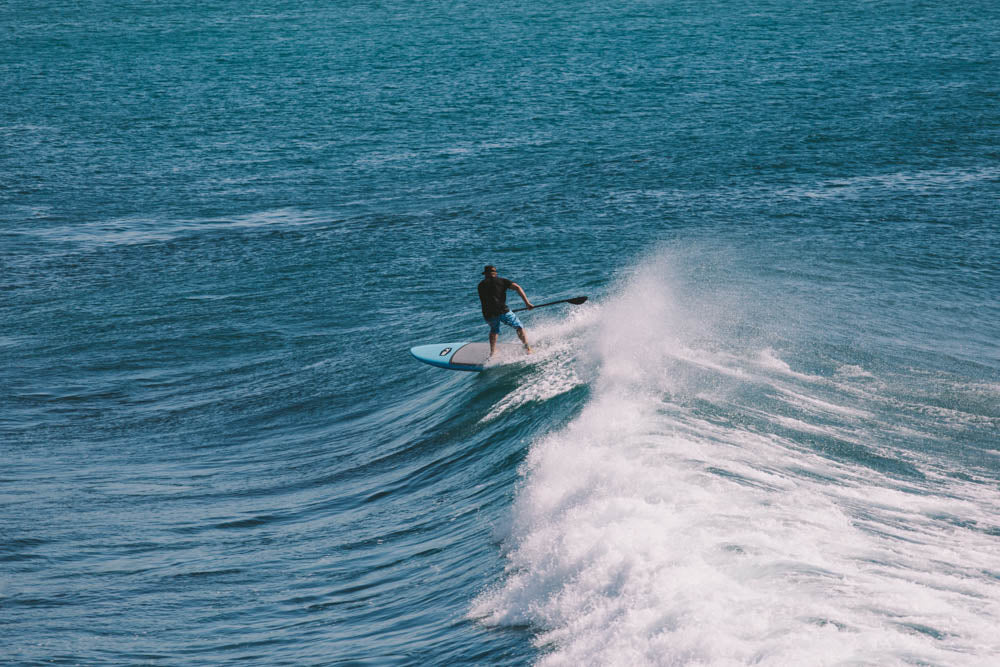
x=493, y=297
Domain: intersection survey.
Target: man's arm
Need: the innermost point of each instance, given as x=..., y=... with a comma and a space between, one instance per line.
x=520, y=293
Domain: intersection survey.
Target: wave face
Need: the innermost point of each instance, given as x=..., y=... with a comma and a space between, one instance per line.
x=727, y=499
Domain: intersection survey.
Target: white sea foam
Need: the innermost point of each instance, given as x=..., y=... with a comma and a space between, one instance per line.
x=550, y=378
x=853, y=371
x=917, y=181
x=649, y=532
x=815, y=405
x=134, y=230
x=556, y=343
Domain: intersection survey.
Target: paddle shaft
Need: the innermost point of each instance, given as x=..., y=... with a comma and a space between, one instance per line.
x=575, y=300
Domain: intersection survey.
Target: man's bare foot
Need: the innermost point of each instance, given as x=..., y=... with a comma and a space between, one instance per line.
x=527, y=349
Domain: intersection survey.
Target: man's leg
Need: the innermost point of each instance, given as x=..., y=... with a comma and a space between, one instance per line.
x=524, y=339
x=494, y=323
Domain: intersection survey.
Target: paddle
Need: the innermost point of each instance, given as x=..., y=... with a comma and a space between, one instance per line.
x=576, y=301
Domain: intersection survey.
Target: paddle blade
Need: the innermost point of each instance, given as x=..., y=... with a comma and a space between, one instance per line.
x=577, y=300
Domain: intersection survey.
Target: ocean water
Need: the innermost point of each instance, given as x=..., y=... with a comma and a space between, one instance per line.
x=770, y=437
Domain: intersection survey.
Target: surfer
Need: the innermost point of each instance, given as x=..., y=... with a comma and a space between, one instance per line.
x=493, y=297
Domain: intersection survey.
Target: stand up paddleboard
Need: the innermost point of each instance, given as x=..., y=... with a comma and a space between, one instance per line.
x=466, y=356
x=475, y=357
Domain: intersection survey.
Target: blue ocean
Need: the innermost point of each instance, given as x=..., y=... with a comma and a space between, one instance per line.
x=771, y=436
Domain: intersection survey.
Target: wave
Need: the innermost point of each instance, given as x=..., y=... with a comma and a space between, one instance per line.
x=715, y=503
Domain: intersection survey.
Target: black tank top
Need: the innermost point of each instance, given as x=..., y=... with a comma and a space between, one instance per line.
x=493, y=296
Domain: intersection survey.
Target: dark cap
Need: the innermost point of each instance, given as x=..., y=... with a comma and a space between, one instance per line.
x=489, y=269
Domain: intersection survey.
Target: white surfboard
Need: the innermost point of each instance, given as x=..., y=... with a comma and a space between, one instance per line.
x=467, y=356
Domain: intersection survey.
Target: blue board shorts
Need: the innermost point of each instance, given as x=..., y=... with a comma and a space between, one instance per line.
x=508, y=318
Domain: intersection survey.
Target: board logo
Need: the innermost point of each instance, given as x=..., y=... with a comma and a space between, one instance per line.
x=444, y=351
